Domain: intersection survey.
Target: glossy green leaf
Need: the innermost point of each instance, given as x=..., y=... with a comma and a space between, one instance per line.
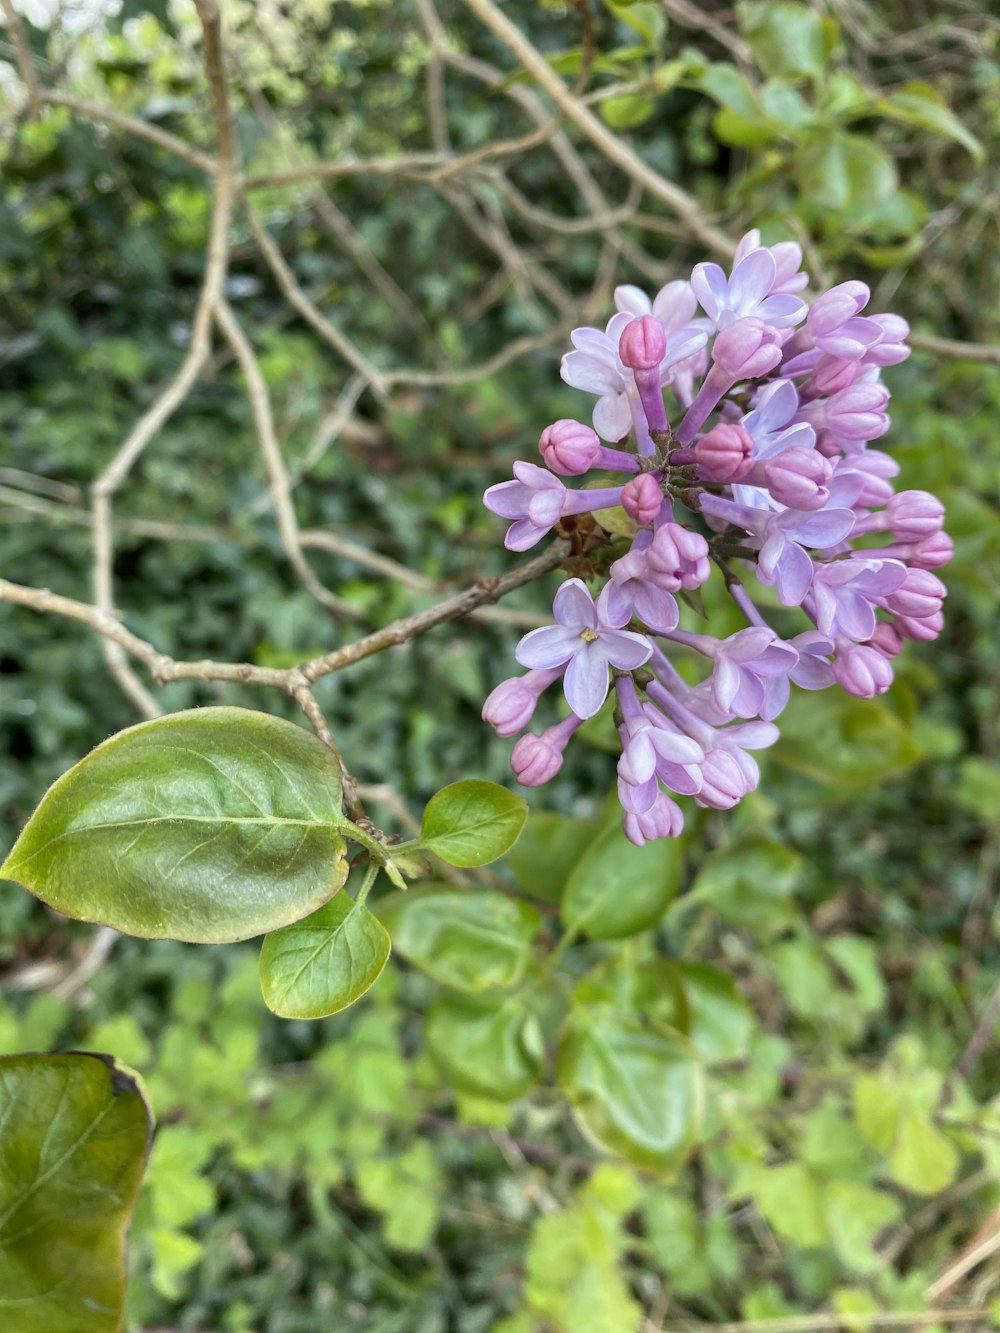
x=725, y=84
x=324, y=963
x=76, y=1132
x=491, y=1050
x=922, y=105
x=749, y=884
x=845, y=745
x=788, y=39
x=472, y=940
x=627, y=111
x=618, y=889
x=729, y=127
x=719, y=1018
x=547, y=851
x=207, y=826
x=845, y=172
x=636, y=1088
x=472, y=823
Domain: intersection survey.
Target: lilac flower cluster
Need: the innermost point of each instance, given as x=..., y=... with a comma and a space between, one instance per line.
x=768, y=467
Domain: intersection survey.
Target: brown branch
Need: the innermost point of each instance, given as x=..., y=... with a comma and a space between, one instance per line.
x=22, y=54
x=142, y=129
x=955, y=348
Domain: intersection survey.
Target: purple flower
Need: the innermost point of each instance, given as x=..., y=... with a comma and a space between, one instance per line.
x=536, y=759
x=746, y=293
x=586, y=644
x=537, y=500
x=510, y=707
x=663, y=819
x=633, y=591
x=846, y=592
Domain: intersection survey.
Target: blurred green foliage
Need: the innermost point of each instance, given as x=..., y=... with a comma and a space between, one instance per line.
x=802, y=977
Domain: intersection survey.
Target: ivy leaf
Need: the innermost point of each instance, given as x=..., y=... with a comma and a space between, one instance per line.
x=471, y=940
x=472, y=823
x=636, y=1089
x=491, y=1050
x=618, y=889
x=319, y=966
x=206, y=826
x=76, y=1133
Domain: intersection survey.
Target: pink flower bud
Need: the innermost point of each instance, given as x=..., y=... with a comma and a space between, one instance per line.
x=891, y=347
x=643, y=344
x=886, y=639
x=725, y=780
x=831, y=375
x=510, y=707
x=914, y=515
x=662, y=820
x=920, y=595
x=725, y=453
x=677, y=558
x=642, y=498
x=933, y=552
x=747, y=349
x=535, y=760
x=569, y=447
x=835, y=307
x=921, y=630
x=856, y=413
x=862, y=671
x=798, y=477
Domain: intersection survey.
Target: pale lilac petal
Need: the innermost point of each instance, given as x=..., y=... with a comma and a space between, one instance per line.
x=615, y=603
x=855, y=617
x=776, y=693
x=586, y=681
x=708, y=282
x=751, y=282
x=823, y=528
x=638, y=762
x=634, y=300
x=612, y=417
x=523, y=535
x=624, y=649
x=585, y=371
x=640, y=798
x=781, y=311
x=509, y=499
x=550, y=646
x=655, y=608
x=793, y=575
x=674, y=304
x=725, y=683
x=753, y=735
x=573, y=606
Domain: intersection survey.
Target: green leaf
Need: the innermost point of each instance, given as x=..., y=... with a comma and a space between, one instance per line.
x=547, y=851
x=845, y=745
x=472, y=823
x=922, y=1159
x=627, y=111
x=618, y=889
x=487, y=1049
x=324, y=963
x=788, y=39
x=749, y=883
x=725, y=84
x=791, y=1199
x=636, y=1088
x=845, y=172
x=719, y=1017
x=855, y=1215
x=206, y=826
x=468, y=939
x=922, y=105
x=729, y=127
x=76, y=1132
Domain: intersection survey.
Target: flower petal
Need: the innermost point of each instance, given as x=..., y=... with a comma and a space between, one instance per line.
x=550, y=646
x=586, y=681
x=573, y=606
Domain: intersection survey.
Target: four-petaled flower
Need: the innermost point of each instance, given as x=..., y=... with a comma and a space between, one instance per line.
x=586, y=644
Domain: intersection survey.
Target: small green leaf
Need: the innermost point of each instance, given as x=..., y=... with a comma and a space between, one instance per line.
x=922, y=105
x=627, y=111
x=324, y=963
x=472, y=940
x=788, y=39
x=749, y=883
x=472, y=823
x=76, y=1132
x=725, y=84
x=791, y=1199
x=618, y=889
x=845, y=745
x=492, y=1050
x=636, y=1088
x=547, y=851
x=206, y=826
x=729, y=127
x=922, y=1159
x=719, y=1017
x=843, y=172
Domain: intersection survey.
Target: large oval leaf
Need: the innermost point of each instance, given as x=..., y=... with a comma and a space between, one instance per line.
x=617, y=889
x=319, y=966
x=471, y=940
x=76, y=1132
x=207, y=826
x=636, y=1089
x=472, y=823
x=491, y=1050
